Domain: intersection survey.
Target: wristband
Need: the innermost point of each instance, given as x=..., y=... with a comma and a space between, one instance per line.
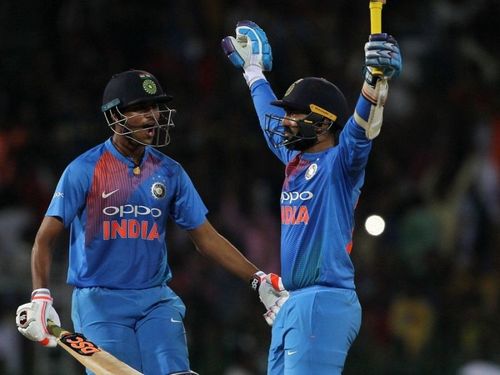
x=253, y=73
x=41, y=294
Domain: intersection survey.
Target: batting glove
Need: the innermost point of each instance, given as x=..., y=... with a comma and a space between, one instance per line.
x=250, y=50
x=31, y=318
x=382, y=53
x=272, y=293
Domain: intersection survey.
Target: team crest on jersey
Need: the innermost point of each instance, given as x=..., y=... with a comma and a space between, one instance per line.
x=311, y=171
x=158, y=190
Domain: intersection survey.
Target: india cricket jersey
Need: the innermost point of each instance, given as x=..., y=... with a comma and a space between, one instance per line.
x=318, y=198
x=118, y=214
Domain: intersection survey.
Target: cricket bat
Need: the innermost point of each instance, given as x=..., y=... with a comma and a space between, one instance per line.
x=89, y=354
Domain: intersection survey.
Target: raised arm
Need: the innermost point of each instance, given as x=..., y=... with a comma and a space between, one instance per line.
x=382, y=53
x=251, y=52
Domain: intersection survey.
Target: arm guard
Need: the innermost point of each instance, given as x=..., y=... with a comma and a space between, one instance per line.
x=369, y=114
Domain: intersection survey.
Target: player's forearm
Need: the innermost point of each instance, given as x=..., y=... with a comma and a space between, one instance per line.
x=41, y=255
x=370, y=108
x=224, y=253
x=41, y=260
x=212, y=244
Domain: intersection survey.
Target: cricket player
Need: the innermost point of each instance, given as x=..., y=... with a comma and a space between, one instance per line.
x=325, y=154
x=116, y=199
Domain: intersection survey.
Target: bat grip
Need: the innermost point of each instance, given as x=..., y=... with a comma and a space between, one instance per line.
x=375, y=17
x=54, y=329
x=376, y=25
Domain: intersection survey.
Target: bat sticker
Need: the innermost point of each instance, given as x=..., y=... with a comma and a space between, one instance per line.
x=78, y=343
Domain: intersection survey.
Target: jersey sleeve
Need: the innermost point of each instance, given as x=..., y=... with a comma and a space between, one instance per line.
x=70, y=194
x=262, y=96
x=354, y=146
x=188, y=210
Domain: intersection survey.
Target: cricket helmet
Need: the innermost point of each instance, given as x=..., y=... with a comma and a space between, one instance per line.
x=321, y=101
x=137, y=88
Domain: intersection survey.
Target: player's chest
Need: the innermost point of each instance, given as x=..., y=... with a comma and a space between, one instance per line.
x=118, y=190
x=304, y=175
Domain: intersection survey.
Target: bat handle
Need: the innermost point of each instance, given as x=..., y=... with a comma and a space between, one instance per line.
x=376, y=17
x=54, y=329
x=376, y=25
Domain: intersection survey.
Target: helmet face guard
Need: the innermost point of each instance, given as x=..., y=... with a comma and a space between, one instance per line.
x=309, y=128
x=161, y=124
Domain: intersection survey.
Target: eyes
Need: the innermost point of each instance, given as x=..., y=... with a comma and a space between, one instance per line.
x=294, y=115
x=291, y=118
x=141, y=109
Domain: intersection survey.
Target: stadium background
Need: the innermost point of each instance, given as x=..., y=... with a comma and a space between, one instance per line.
x=429, y=285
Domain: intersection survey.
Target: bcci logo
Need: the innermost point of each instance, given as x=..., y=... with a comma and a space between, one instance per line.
x=149, y=86
x=158, y=190
x=292, y=86
x=311, y=171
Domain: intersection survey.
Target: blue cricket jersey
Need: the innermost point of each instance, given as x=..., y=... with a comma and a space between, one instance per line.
x=118, y=218
x=318, y=198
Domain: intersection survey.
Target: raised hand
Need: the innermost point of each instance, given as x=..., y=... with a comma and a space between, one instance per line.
x=382, y=53
x=250, y=50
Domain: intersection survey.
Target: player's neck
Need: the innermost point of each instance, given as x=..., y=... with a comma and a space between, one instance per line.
x=322, y=145
x=128, y=148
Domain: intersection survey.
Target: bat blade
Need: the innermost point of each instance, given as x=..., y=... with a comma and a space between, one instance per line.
x=89, y=354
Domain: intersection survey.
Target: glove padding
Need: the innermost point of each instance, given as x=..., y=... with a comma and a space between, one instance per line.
x=250, y=50
x=382, y=52
x=272, y=293
x=31, y=318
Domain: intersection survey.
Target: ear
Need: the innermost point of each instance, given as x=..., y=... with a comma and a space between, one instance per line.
x=326, y=125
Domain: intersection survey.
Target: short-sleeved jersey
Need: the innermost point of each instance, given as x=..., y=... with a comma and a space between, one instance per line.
x=318, y=198
x=118, y=218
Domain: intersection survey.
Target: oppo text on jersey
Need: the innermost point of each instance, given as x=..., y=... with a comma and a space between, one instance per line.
x=130, y=228
x=130, y=209
x=292, y=196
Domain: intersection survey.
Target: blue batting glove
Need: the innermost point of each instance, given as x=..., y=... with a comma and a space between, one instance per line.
x=250, y=48
x=382, y=52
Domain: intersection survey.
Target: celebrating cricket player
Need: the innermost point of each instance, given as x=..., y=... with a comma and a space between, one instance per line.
x=325, y=153
x=116, y=199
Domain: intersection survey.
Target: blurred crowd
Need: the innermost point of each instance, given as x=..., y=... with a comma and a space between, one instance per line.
x=429, y=285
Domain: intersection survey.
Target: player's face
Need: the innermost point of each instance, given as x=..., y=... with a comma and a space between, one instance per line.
x=142, y=120
x=290, y=123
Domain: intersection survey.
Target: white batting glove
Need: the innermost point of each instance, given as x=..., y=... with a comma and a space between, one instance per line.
x=272, y=293
x=31, y=318
x=250, y=50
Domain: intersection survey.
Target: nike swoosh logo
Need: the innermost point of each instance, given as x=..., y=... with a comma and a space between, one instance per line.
x=175, y=321
x=290, y=352
x=105, y=195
